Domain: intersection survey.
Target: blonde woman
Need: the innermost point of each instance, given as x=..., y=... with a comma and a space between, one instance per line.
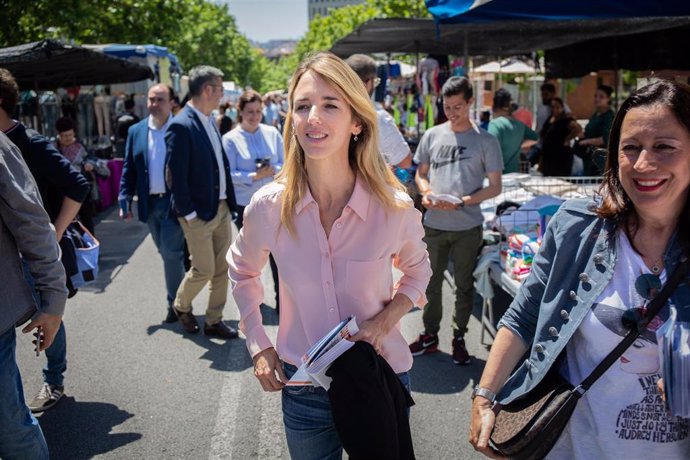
x=335, y=220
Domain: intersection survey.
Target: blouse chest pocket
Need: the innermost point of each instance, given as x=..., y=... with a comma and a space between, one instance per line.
x=370, y=279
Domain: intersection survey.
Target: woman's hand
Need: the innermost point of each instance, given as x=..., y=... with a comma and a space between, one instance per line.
x=269, y=370
x=88, y=167
x=481, y=425
x=377, y=327
x=660, y=387
x=264, y=171
x=373, y=332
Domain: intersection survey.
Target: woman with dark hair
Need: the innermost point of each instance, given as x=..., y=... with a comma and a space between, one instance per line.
x=510, y=132
x=223, y=120
x=601, y=261
x=255, y=154
x=597, y=130
x=76, y=153
x=560, y=128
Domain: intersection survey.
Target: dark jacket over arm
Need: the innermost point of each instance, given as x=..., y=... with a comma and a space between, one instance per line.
x=25, y=227
x=369, y=404
x=54, y=175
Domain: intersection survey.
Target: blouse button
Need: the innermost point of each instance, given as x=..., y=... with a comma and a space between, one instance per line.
x=584, y=277
x=332, y=310
x=573, y=295
x=564, y=315
x=539, y=348
x=553, y=332
x=598, y=258
x=328, y=283
x=339, y=225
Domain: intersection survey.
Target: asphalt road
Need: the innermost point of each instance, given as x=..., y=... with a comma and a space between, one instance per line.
x=137, y=388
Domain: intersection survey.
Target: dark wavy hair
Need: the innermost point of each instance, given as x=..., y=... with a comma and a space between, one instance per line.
x=616, y=203
x=247, y=97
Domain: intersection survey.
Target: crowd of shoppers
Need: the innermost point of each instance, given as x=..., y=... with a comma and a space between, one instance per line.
x=320, y=202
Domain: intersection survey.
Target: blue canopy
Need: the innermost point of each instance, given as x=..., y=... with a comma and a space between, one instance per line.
x=126, y=51
x=472, y=11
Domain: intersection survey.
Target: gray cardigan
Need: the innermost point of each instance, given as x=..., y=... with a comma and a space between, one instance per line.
x=25, y=227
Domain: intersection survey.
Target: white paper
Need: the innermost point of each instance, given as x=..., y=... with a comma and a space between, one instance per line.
x=321, y=355
x=444, y=197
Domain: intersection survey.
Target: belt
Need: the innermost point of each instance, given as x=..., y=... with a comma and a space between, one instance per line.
x=157, y=195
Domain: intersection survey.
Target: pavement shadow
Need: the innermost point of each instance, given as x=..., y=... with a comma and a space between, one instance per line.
x=77, y=430
x=223, y=355
x=119, y=240
x=435, y=373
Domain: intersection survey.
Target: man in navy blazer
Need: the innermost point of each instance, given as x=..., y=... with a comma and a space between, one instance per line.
x=143, y=174
x=198, y=175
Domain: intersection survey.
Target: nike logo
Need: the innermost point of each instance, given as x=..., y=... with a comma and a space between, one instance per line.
x=428, y=344
x=438, y=164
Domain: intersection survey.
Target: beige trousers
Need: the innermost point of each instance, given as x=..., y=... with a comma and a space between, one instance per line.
x=208, y=244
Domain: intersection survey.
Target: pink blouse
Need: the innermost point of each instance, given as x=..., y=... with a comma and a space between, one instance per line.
x=325, y=280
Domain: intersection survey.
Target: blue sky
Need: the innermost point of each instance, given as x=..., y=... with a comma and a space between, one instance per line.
x=263, y=20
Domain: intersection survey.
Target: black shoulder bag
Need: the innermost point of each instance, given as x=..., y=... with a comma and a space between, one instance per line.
x=529, y=427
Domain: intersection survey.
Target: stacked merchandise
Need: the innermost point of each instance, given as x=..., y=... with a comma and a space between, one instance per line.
x=523, y=229
x=517, y=255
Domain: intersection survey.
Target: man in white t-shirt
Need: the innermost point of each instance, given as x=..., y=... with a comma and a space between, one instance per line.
x=392, y=144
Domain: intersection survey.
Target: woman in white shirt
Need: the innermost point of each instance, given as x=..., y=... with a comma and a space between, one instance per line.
x=255, y=153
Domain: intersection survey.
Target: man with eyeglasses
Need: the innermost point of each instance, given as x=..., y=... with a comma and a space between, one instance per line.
x=198, y=175
x=392, y=144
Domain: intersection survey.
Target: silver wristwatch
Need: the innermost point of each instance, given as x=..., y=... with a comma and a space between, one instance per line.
x=484, y=393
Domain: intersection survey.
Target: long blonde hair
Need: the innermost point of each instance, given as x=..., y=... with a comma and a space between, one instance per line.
x=364, y=155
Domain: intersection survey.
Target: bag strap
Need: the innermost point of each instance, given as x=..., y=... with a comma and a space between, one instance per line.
x=654, y=307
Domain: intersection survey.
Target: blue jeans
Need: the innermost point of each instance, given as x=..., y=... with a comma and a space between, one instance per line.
x=309, y=426
x=168, y=237
x=21, y=437
x=56, y=354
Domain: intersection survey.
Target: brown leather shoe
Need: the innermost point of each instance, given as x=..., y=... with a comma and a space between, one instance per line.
x=188, y=321
x=220, y=330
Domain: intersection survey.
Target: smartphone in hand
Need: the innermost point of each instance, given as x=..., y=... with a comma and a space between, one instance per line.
x=39, y=340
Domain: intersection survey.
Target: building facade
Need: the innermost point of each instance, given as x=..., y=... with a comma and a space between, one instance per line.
x=322, y=7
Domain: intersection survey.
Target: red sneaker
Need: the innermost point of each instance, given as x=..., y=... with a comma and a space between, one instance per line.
x=425, y=343
x=460, y=354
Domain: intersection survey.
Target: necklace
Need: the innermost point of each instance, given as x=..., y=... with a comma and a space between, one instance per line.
x=656, y=267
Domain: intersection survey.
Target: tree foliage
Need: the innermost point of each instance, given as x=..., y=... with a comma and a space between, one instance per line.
x=197, y=31
x=325, y=31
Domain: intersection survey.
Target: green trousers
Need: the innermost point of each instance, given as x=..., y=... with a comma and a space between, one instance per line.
x=461, y=248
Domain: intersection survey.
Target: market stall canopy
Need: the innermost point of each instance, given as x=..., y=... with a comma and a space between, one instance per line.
x=50, y=64
x=500, y=38
x=483, y=11
x=626, y=47
x=669, y=50
x=507, y=66
x=140, y=51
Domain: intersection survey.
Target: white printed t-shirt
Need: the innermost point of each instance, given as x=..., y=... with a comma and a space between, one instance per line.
x=622, y=416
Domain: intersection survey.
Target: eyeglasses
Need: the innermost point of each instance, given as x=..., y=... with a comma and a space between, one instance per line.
x=647, y=286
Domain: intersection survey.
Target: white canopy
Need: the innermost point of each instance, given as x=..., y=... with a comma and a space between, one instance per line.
x=507, y=66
